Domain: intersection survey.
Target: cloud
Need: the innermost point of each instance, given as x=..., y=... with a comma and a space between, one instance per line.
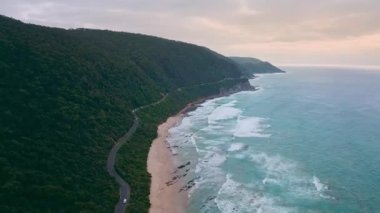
x=283, y=31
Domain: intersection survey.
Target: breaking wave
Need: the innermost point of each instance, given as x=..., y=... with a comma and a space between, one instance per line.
x=251, y=127
x=229, y=174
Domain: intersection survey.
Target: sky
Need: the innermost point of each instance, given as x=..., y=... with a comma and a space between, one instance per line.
x=345, y=32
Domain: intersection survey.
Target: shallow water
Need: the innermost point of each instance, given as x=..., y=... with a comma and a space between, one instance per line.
x=307, y=141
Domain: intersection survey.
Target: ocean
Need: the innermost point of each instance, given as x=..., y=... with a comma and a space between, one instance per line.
x=306, y=141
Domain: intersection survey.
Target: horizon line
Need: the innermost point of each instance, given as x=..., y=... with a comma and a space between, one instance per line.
x=376, y=67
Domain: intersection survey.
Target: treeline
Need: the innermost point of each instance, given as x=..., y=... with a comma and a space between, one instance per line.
x=66, y=95
x=251, y=66
x=132, y=159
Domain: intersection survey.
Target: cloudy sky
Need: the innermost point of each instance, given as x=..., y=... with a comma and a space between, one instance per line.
x=282, y=31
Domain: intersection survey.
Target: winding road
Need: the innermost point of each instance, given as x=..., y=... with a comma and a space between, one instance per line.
x=124, y=187
x=111, y=161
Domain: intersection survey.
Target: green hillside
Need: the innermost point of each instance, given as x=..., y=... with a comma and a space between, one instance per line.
x=250, y=66
x=66, y=95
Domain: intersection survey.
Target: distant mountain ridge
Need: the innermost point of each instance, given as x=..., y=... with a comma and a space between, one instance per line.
x=250, y=66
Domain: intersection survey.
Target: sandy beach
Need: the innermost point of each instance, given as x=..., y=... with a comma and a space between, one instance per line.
x=165, y=195
x=168, y=191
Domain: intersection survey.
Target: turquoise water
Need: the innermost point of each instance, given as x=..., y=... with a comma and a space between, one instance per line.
x=307, y=141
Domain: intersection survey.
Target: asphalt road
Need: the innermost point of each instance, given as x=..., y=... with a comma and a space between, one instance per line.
x=124, y=187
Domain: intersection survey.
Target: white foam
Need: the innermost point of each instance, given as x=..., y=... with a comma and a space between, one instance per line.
x=239, y=156
x=224, y=199
x=209, y=174
x=214, y=159
x=321, y=188
x=211, y=102
x=268, y=180
x=202, y=111
x=244, y=93
x=208, y=168
x=273, y=164
x=318, y=184
x=251, y=127
x=287, y=175
x=223, y=113
x=237, y=197
x=215, y=130
x=193, y=141
x=236, y=147
x=230, y=104
x=180, y=134
x=183, y=128
x=212, y=128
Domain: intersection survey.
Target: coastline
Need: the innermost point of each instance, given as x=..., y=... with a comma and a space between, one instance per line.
x=165, y=195
x=166, y=190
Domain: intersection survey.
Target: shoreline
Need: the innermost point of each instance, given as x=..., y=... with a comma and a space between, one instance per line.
x=166, y=190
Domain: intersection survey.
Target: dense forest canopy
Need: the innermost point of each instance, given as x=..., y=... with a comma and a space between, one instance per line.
x=66, y=95
x=250, y=66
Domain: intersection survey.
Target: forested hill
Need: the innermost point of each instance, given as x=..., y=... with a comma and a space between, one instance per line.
x=251, y=66
x=67, y=95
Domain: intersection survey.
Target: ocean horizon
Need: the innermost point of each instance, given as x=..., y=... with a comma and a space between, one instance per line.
x=306, y=141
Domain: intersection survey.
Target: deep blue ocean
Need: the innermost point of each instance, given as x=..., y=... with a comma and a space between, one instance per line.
x=306, y=141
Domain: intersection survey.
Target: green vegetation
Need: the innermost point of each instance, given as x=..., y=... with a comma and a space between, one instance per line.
x=133, y=156
x=67, y=94
x=250, y=66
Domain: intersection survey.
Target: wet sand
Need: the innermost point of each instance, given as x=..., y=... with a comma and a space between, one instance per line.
x=168, y=191
x=166, y=195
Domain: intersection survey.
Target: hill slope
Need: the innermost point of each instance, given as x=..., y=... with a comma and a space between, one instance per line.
x=67, y=95
x=250, y=66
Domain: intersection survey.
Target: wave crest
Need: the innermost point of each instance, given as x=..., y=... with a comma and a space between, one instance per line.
x=251, y=127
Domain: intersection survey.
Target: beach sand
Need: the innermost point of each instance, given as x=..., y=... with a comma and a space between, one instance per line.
x=164, y=197
x=172, y=197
